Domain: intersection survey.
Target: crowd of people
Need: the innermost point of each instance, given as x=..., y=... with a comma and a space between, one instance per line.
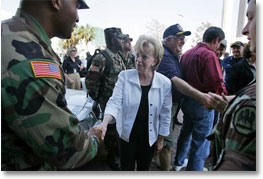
x=139, y=94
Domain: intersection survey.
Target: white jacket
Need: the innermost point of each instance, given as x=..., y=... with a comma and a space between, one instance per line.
x=125, y=101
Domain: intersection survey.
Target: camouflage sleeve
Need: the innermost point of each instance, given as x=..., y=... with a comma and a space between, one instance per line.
x=36, y=110
x=94, y=75
x=235, y=134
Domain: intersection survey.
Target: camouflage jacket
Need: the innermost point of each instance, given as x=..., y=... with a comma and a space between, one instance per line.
x=234, y=137
x=100, y=85
x=38, y=130
x=129, y=62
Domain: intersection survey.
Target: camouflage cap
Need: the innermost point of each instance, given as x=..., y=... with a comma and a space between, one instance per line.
x=114, y=32
x=127, y=37
x=82, y=4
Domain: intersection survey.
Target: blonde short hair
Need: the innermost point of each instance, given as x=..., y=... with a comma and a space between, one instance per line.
x=70, y=49
x=153, y=45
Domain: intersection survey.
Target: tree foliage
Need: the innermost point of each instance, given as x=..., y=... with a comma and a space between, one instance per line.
x=156, y=29
x=79, y=34
x=198, y=37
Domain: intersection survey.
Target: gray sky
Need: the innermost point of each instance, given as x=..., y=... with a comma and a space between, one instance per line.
x=132, y=16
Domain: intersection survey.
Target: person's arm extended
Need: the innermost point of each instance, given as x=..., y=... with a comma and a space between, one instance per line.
x=113, y=105
x=186, y=89
x=220, y=102
x=103, y=126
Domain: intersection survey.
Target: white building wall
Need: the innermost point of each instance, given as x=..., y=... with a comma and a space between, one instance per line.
x=233, y=20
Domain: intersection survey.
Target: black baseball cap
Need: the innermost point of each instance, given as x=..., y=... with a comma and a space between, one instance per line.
x=175, y=30
x=83, y=4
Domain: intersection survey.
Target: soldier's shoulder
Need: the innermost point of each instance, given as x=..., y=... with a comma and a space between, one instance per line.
x=15, y=25
x=244, y=119
x=98, y=57
x=18, y=42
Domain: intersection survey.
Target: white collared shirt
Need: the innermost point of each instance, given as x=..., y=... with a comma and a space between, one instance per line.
x=125, y=102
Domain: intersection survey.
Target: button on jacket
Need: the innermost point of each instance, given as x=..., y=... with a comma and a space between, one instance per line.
x=125, y=101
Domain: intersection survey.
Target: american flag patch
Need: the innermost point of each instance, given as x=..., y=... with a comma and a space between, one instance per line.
x=45, y=69
x=96, y=69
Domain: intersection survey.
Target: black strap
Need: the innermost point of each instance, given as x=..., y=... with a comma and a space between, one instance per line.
x=108, y=61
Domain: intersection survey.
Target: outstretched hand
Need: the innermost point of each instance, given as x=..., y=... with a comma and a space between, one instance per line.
x=207, y=101
x=97, y=132
x=103, y=128
x=218, y=102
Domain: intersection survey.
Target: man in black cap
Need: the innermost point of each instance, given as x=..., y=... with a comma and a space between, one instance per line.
x=127, y=56
x=100, y=81
x=228, y=63
x=38, y=130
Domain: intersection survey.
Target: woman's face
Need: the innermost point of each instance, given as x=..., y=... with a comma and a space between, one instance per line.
x=145, y=60
x=73, y=52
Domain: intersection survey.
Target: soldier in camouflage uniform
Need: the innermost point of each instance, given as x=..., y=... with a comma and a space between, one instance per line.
x=38, y=130
x=100, y=85
x=127, y=56
x=234, y=137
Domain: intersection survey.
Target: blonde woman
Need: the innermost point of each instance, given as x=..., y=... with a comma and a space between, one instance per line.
x=72, y=66
x=141, y=105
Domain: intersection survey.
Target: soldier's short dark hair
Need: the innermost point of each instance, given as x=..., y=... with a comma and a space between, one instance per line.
x=212, y=33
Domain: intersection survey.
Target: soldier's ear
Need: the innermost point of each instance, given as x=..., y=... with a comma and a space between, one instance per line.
x=113, y=41
x=56, y=4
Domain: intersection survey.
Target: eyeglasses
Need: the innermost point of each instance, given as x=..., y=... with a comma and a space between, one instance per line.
x=73, y=51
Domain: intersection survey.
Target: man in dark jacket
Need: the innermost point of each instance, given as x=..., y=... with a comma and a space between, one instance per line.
x=242, y=73
x=229, y=62
x=173, y=42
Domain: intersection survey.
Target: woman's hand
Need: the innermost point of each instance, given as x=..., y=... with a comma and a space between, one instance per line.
x=81, y=67
x=159, y=146
x=103, y=126
x=70, y=81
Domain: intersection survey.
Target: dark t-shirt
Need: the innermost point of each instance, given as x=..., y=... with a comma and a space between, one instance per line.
x=69, y=66
x=140, y=126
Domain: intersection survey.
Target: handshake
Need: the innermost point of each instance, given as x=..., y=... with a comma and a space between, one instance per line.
x=100, y=130
x=215, y=101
